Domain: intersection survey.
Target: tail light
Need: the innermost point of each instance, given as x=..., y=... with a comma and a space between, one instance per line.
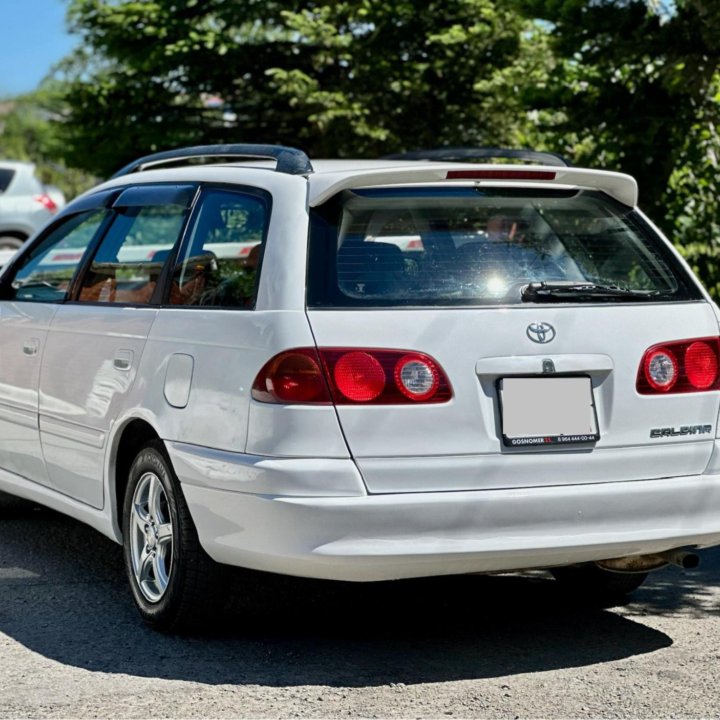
x=683, y=366
x=351, y=376
x=47, y=202
x=295, y=376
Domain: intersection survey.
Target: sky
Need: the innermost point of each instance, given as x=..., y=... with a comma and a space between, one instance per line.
x=32, y=38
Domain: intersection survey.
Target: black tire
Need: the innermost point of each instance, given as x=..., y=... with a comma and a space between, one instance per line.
x=194, y=592
x=591, y=583
x=11, y=242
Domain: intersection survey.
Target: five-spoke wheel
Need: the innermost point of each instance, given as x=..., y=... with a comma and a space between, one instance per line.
x=175, y=584
x=151, y=537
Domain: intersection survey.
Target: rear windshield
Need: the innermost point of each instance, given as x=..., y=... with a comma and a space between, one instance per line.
x=476, y=246
x=6, y=177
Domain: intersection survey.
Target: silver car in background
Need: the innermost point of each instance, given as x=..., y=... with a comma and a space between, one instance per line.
x=26, y=204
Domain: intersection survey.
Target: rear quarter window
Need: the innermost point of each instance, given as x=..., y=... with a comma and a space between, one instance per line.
x=6, y=177
x=454, y=246
x=219, y=262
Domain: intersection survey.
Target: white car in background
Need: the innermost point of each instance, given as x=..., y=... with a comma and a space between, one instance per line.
x=225, y=364
x=26, y=204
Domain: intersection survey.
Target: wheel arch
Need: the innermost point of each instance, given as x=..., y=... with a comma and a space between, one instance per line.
x=127, y=441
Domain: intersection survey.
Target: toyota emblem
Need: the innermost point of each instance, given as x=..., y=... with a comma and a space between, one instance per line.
x=541, y=332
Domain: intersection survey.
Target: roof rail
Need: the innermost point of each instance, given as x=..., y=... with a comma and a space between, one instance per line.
x=462, y=154
x=289, y=160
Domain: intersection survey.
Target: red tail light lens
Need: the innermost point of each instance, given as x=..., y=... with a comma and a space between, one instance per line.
x=47, y=202
x=680, y=367
x=359, y=376
x=294, y=376
x=351, y=376
x=701, y=365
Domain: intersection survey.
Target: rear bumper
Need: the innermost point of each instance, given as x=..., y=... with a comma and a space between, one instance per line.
x=380, y=537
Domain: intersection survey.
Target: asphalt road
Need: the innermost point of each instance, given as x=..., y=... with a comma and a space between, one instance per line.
x=71, y=644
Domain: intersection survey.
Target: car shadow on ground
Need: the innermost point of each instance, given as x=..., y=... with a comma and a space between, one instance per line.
x=63, y=595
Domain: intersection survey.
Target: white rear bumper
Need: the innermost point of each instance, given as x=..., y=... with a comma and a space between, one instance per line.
x=380, y=537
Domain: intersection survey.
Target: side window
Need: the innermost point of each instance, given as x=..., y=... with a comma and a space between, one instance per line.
x=218, y=264
x=128, y=262
x=45, y=272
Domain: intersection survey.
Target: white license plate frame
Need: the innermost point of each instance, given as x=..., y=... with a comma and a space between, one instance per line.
x=547, y=411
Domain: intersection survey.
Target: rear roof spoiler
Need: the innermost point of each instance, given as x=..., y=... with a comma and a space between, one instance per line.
x=618, y=185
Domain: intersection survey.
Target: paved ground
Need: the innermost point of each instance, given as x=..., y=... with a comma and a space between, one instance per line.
x=72, y=646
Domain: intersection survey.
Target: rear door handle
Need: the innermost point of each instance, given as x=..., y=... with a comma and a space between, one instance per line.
x=123, y=359
x=31, y=347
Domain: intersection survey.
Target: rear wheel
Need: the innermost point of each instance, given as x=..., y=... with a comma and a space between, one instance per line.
x=174, y=583
x=10, y=242
x=594, y=584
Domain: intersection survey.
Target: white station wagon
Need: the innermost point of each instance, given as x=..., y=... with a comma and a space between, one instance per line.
x=226, y=363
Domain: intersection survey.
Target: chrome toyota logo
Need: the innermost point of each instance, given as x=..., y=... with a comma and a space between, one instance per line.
x=540, y=332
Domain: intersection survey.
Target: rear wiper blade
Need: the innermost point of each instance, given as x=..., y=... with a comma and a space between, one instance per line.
x=572, y=289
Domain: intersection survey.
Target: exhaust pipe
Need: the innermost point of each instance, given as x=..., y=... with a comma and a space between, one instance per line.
x=645, y=563
x=682, y=558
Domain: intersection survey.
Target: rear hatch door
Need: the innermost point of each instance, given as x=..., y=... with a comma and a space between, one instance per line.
x=454, y=284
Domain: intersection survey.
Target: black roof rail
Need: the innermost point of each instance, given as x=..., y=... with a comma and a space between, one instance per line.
x=289, y=160
x=462, y=154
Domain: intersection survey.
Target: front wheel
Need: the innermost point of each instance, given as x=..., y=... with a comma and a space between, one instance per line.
x=594, y=584
x=174, y=583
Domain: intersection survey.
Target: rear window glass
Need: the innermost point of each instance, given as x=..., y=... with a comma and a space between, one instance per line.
x=425, y=246
x=6, y=177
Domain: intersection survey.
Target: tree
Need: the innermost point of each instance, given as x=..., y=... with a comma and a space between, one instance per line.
x=637, y=88
x=352, y=77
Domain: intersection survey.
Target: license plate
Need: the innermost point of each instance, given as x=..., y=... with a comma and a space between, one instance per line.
x=547, y=411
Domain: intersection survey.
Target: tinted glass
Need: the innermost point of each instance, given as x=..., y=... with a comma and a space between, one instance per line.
x=6, y=177
x=127, y=265
x=219, y=263
x=482, y=246
x=46, y=271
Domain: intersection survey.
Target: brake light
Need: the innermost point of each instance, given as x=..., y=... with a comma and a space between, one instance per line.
x=683, y=366
x=47, y=202
x=359, y=376
x=351, y=376
x=701, y=365
x=500, y=175
x=294, y=376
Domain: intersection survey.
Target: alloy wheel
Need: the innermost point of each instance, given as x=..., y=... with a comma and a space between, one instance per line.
x=151, y=537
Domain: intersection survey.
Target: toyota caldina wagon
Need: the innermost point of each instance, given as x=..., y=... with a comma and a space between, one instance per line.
x=361, y=370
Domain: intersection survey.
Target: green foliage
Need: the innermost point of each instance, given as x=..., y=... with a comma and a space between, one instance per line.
x=693, y=202
x=636, y=89
x=339, y=78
